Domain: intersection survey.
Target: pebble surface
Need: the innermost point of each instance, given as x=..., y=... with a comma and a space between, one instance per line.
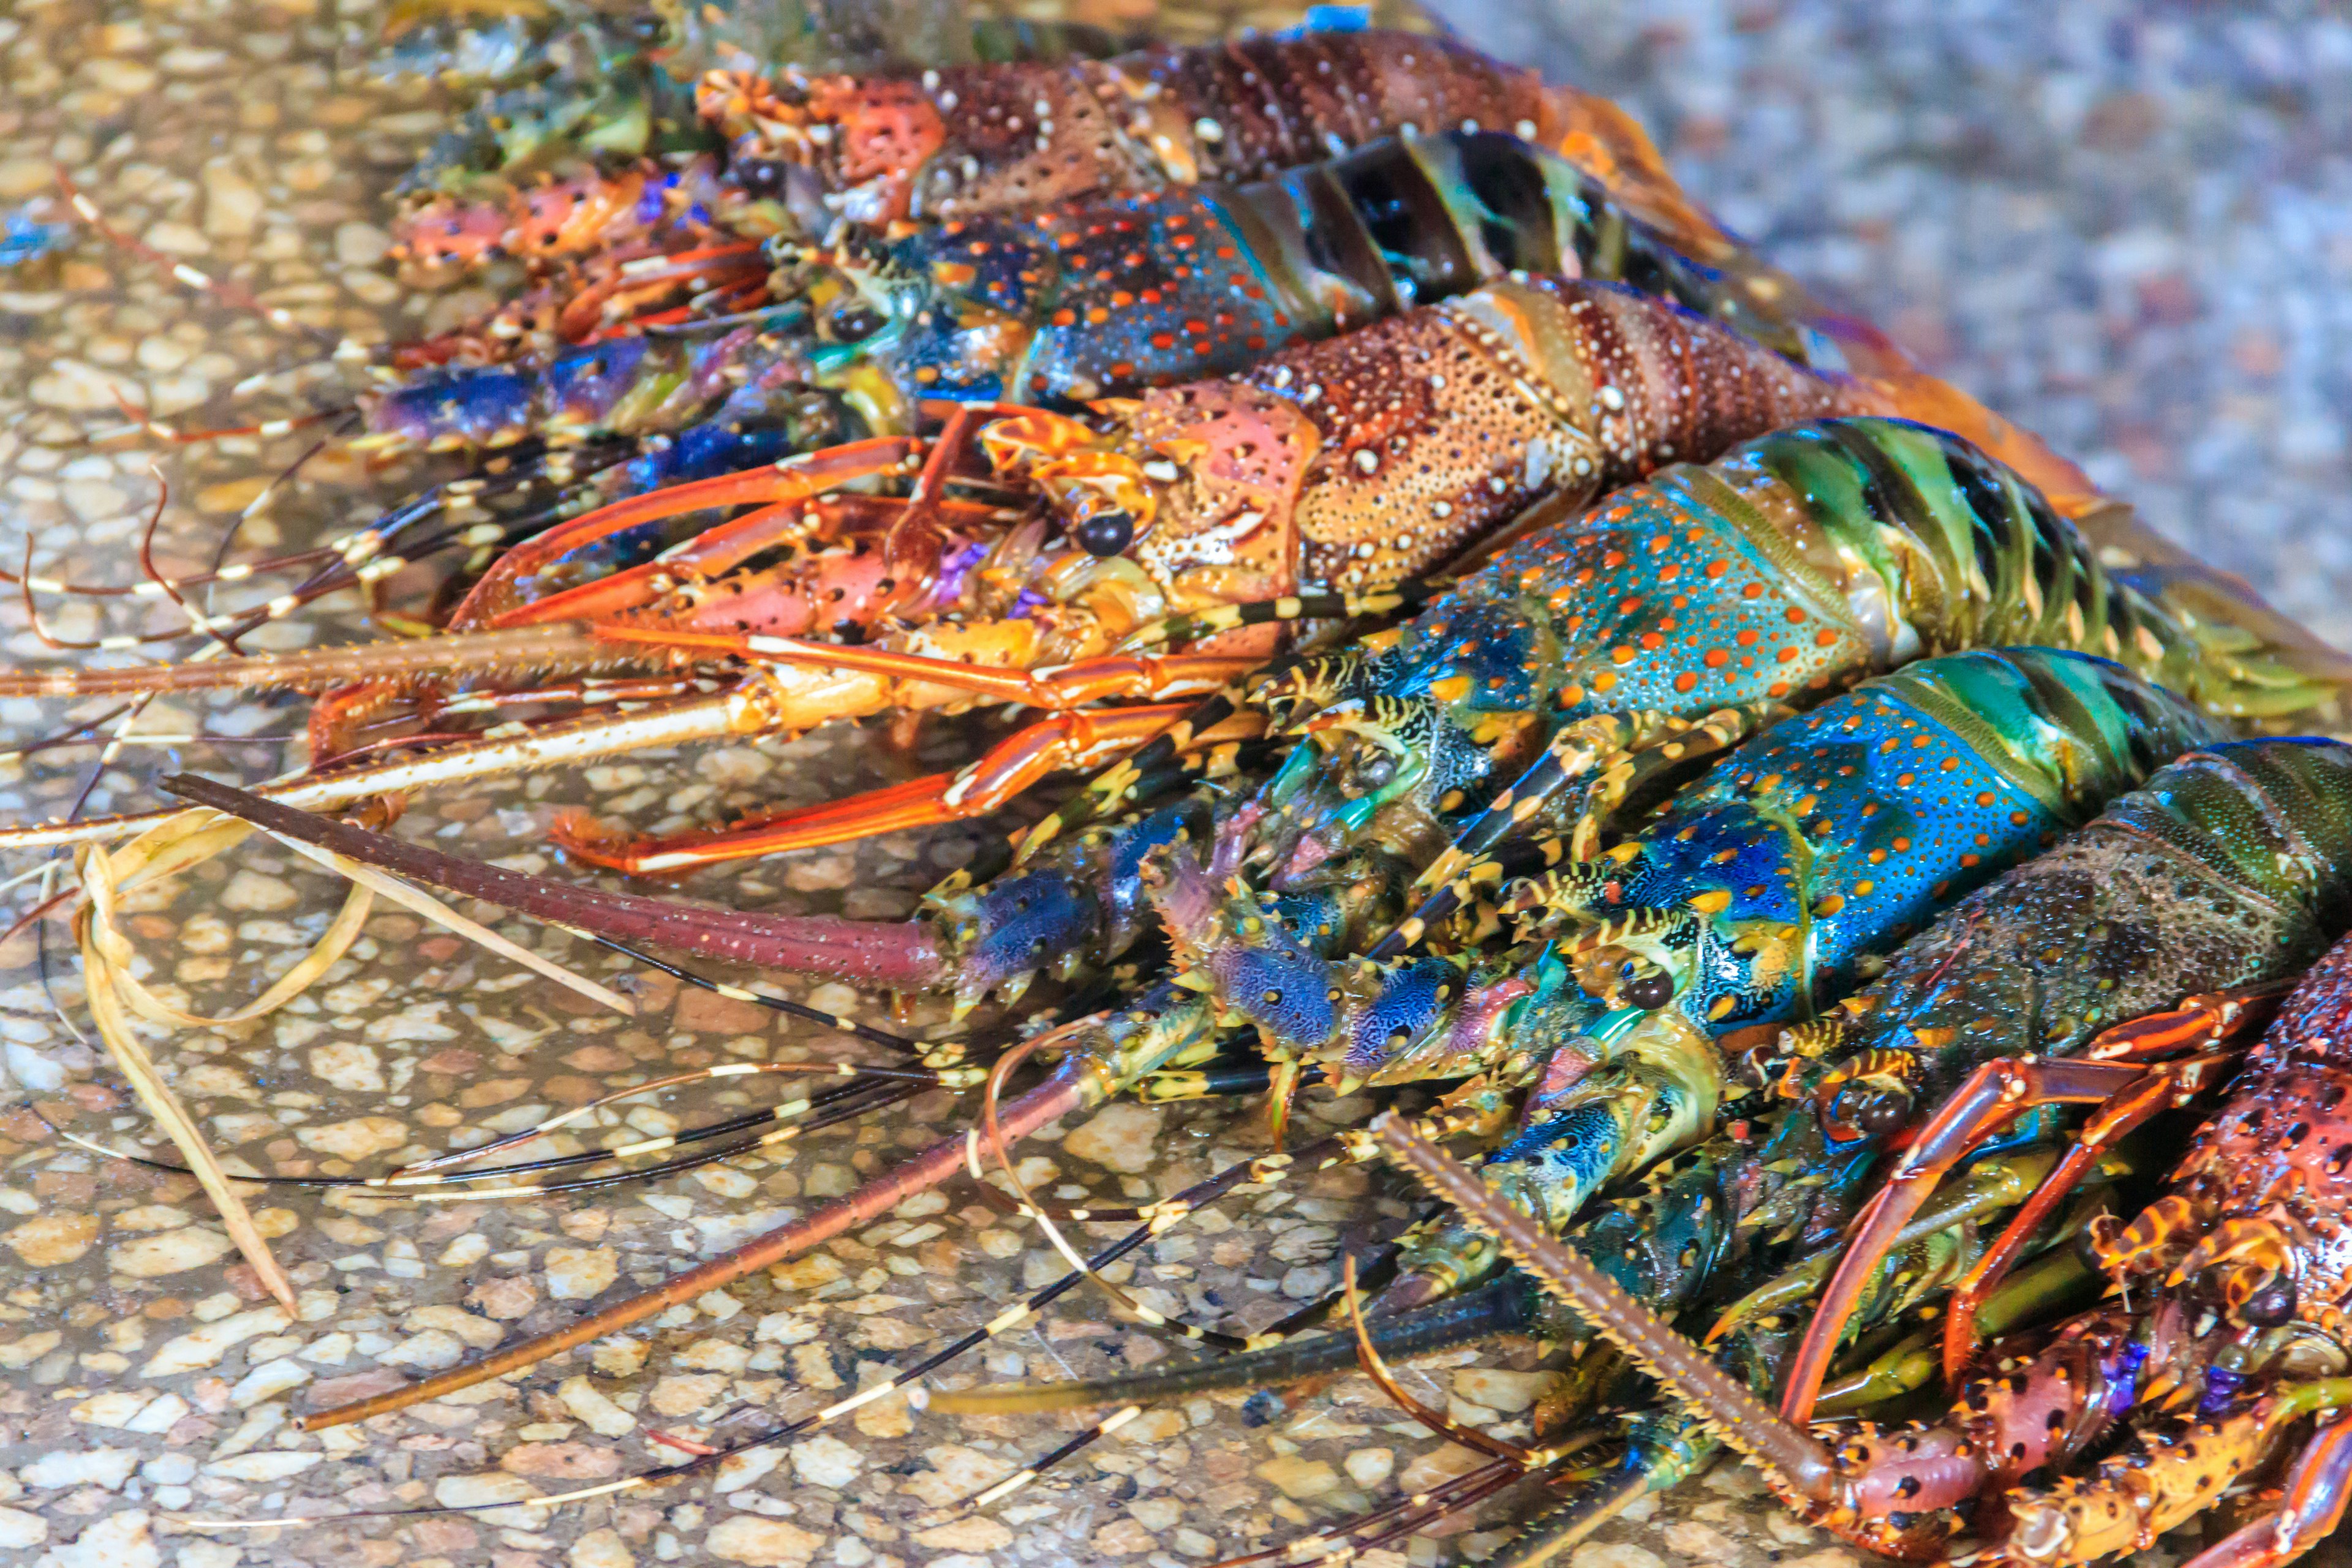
x=2059, y=262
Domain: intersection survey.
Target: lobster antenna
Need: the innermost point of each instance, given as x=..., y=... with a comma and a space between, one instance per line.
x=1275, y=1168
x=1733, y=1415
x=234, y=295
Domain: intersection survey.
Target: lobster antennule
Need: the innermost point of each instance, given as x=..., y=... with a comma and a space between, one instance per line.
x=901, y=956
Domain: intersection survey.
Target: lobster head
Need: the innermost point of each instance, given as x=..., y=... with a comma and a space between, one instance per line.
x=866, y=139
x=1199, y=484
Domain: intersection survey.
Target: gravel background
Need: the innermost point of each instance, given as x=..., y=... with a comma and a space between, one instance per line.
x=2128, y=228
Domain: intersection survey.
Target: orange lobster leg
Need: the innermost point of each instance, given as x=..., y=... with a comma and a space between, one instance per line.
x=1072, y=739
x=1056, y=690
x=499, y=598
x=1066, y=741
x=2311, y=1506
x=2200, y=1023
x=1994, y=1096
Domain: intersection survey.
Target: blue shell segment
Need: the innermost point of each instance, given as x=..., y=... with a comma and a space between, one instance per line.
x=1065, y=303
x=1653, y=600
x=1410, y=1003
x=1847, y=828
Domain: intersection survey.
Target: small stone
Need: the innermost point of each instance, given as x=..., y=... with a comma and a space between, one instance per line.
x=1829, y=1557
x=124, y=1540
x=957, y=1473
x=267, y=1381
x=1440, y=1464
x=1614, y=1554
x=561, y=1461
x=576, y=1273
x=602, y=1549
x=505, y=1299
x=18, y=1528
x=361, y=244
x=22, y=177
x=748, y=1467
x=350, y=1065
x=762, y=1543
x=1158, y=1514
x=620, y=1358
x=201, y=1347
x=977, y=1533
x=826, y=1461
x=683, y=1395
x=233, y=206
x=108, y=1468
x=1368, y=1467
x=589, y=1405
x=356, y=1139
x=52, y=1239
x=252, y=893
x=1692, y=1539
x=1508, y=1392
x=435, y=1349
x=484, y=1489
x=1121, y=1538
x=1123, y=1136
x=1298, y=1477
x=275, y=1465
x=172, y=1252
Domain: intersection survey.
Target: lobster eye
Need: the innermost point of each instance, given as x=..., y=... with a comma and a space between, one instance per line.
x=1878, y=1114
x=1377, y=770
x=1106, y=534
x=852, y=321
x=1652, y=989
x=2269, y=1307
x=760, y=178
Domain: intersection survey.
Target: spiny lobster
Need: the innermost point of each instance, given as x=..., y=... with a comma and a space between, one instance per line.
x=1049, y=305
x=2228, y=870
x=2229, y=1329
x=1348, y=464
x=963, y=140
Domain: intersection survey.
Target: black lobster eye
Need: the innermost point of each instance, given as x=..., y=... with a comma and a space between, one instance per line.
x=1376, y=769
x=1106, y=534
x=1878, y=1114
x=1652, y=989
x=761, y=177
x=2269, y=1307
x=851, y=321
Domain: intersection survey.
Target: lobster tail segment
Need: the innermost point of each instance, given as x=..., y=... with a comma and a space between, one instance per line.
x=901, y=956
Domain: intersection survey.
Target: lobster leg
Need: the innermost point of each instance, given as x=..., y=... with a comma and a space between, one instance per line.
x=1078, y=739
x=1072, y=739
x=2316, y=1491
x=2202, y=1022
x=1615, y=752
x=501, y=597
x=1994, y=1096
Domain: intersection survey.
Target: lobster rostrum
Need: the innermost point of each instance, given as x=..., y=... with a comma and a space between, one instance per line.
x=2227, y=1335
x=1345, y=465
